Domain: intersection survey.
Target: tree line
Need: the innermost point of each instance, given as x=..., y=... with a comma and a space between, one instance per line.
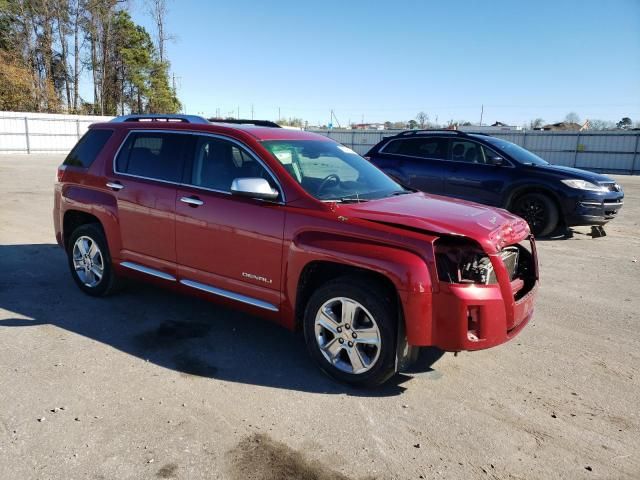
x=423, y=121
x=47, y=46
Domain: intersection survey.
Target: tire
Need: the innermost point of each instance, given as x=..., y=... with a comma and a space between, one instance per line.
x=360, y=351
x=540, y=212
x=88, y=255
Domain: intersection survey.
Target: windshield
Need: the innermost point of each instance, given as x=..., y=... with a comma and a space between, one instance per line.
x=332, y=172
x=521, y=155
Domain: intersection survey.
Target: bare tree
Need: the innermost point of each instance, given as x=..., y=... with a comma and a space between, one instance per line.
x=422, y=119
x=61, y=14
x=537, y=123
x=597, y=124
x=572, y=117
x=158, y=11
x=75, y=7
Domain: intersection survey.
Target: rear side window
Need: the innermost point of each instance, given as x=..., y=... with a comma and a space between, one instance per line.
x=87, y=148
x=158, y=156
x=423, y=147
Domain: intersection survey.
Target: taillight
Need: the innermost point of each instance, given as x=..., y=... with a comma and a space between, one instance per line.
x=60, y=173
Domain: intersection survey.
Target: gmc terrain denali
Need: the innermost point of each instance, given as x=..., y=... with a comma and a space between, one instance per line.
x=299, y=229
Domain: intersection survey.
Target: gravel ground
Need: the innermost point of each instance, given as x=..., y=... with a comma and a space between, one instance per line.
x=150, y=384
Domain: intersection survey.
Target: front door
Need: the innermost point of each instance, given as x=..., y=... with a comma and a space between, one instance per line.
x=228, y=245
x=471, y=176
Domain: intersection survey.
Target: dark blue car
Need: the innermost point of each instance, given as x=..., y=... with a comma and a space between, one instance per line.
x=495, y=172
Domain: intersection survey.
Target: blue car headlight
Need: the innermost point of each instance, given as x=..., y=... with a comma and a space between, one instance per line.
x=584, y=185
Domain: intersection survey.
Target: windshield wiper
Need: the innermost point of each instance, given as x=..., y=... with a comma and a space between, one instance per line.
x=400, y=192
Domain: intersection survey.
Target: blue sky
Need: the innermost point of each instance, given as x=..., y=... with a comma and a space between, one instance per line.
x=389, y=60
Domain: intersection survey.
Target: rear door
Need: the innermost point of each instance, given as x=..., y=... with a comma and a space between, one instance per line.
x=228, y=245
x=420, y=161
x=472, y=176
x=147, y=169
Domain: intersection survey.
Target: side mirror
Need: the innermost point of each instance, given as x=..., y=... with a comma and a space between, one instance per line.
x=253, y=187
x=496, y=160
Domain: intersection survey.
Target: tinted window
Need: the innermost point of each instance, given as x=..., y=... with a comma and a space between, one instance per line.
x=424, y=147
x=488, y=154
x=88, y=148
x=218, y=162
x=466, y=151
x=153, y=155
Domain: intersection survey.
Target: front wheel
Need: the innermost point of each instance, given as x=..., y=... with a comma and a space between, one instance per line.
x=350, y=331
x=539, y=211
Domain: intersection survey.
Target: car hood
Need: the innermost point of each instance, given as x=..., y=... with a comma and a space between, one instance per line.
x=492, y=227
x=570, y=172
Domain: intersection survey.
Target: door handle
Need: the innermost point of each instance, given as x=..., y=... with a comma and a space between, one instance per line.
x=115, y=186
x=192, y=201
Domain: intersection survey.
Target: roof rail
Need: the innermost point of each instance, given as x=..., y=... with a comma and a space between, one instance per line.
x=430, y=130
x=159, y=117
x=242, y=121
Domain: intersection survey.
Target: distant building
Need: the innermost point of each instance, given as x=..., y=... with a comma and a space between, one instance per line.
x=496, y=127
x=565, y=126
x=369, y=126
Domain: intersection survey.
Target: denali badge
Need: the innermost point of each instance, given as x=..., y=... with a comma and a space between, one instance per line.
x=256, y=277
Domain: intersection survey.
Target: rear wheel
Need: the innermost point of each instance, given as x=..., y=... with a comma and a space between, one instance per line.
x=350, y=329
x=90, y=261
x=539, y=211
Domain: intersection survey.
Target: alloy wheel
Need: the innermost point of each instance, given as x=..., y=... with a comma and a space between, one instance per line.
x=534, y=212
x=348, y=335
x=88, y=261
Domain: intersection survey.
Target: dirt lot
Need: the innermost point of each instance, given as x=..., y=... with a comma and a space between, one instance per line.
x=148, y=384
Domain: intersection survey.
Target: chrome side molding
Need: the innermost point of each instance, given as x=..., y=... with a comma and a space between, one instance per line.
x=148, y=271
x=231, y=295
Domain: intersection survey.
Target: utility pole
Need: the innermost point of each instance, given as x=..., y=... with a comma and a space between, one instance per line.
x=238, y=112
x=278, y=119
x=252, y=111
x=481, y=113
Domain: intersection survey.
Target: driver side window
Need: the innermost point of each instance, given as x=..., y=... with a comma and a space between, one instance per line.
x=217, y=162
x=466, y=151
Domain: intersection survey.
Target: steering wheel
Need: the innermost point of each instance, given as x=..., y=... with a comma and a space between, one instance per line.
x=327, y=180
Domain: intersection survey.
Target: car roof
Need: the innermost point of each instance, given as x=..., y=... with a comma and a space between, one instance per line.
x=260, y=133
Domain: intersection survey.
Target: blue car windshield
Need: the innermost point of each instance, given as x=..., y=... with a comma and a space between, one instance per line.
x=521, y=155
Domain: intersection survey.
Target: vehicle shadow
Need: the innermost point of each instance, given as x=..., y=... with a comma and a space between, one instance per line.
x=174, y=331
x=571, y=233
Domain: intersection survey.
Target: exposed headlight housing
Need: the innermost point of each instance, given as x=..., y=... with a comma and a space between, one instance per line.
x=584, y=185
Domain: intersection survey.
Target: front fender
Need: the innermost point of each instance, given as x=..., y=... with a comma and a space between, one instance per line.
x=406, y=270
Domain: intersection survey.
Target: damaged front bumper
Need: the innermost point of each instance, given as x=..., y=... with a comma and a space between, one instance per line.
x=481, y=310
x=473, y=316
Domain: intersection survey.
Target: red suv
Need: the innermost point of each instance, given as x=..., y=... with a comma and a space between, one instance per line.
x=297, y=228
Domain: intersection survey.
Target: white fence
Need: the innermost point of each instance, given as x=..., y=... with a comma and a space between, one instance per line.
x=614, y=152
x=24, y=132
